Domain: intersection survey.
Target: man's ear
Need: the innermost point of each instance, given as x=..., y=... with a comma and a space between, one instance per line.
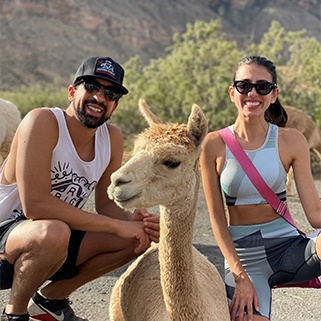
x=115, y=106
x=71, y=93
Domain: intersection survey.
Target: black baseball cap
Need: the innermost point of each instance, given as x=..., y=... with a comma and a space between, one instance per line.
x=103, y=68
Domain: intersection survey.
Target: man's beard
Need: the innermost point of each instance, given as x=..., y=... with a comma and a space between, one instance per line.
x=88, y=120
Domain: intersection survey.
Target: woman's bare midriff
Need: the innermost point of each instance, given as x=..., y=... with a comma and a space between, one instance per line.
x=251, y=214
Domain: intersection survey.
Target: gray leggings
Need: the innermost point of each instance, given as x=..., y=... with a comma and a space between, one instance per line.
x=272, y=253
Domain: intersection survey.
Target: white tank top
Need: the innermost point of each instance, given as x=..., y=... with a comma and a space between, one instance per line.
x=72, y=179
x=237, y=187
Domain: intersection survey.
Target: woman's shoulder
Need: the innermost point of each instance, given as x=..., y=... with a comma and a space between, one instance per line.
x=290, y=134
x=213, y=145
x=292, y=141
x=213, y=137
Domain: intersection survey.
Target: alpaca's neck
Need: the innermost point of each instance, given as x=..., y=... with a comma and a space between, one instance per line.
x=180, y=288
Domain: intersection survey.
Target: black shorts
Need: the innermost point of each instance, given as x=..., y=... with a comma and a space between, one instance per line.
x=67, y=271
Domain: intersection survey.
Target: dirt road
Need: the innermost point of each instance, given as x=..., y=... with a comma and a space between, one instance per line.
x=91, y=301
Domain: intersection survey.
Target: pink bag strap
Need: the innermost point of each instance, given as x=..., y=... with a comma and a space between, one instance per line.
x=255, y=177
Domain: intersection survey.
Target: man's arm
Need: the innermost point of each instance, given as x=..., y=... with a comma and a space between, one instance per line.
x=31, y=157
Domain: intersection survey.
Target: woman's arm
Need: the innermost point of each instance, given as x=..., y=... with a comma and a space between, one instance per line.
x=294, y=151
x=212, y=162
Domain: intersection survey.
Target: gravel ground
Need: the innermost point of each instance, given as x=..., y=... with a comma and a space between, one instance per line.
x=91, y=301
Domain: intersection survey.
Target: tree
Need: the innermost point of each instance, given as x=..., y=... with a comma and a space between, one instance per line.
x=305, y=68
x=198, y=69
x=297, y=58
x=127, y=115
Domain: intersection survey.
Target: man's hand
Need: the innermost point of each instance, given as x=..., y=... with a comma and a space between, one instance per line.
x=135, y=230
x=151, y=223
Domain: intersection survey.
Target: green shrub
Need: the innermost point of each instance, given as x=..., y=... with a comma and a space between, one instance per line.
x=37, y=96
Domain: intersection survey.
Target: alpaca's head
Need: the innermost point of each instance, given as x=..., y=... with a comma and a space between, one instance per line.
x=164, y=167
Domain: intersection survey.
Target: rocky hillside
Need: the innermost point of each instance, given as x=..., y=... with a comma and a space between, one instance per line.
x=45, y=40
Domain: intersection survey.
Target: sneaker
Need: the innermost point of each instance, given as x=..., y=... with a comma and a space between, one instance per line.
x=51, y=310
x=10, y=317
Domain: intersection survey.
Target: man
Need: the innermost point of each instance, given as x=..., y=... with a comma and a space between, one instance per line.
x=57, y=159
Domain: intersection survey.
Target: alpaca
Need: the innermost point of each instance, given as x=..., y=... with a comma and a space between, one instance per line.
x=303, y=122
x=9, y=121
x=171, y=280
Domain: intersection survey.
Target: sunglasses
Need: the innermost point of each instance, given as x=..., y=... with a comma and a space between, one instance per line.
x=93, y=87
x=262, y=88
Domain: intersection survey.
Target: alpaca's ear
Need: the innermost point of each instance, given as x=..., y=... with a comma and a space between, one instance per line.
x=147, y=113
x=197, y=125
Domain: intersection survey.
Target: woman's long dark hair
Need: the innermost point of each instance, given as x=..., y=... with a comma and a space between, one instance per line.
x=275, y=114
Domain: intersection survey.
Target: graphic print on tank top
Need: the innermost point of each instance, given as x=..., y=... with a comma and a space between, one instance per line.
x=69, y=186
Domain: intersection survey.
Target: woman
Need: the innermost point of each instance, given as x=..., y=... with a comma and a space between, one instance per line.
x=261, y=249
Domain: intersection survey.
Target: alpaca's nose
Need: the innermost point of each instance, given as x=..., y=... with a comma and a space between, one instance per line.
x=119, y=179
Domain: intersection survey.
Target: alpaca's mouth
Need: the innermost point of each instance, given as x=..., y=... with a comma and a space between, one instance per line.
x=124, y=202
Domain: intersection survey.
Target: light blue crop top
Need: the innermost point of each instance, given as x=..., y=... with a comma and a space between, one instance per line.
x=237, y=187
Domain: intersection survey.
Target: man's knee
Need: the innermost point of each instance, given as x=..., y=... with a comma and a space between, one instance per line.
x=42, y=237
x=53, y=235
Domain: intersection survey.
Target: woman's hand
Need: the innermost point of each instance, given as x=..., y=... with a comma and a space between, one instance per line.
x=151, y=223
x=245, y=297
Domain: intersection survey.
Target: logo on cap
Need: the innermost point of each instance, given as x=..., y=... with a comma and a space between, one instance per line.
x=106, y=67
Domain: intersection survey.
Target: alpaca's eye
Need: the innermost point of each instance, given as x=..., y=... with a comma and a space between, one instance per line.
x=171, y=164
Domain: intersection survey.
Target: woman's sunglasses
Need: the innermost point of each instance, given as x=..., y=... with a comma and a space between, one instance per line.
x=93, y=87
x=262, y=88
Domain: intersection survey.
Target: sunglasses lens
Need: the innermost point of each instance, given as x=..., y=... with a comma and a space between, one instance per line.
x=264, y=88
x=243, y=87
x=112, y=96
x=91, y=88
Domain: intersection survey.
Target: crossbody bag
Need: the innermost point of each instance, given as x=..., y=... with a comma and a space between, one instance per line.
x=279, y=206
